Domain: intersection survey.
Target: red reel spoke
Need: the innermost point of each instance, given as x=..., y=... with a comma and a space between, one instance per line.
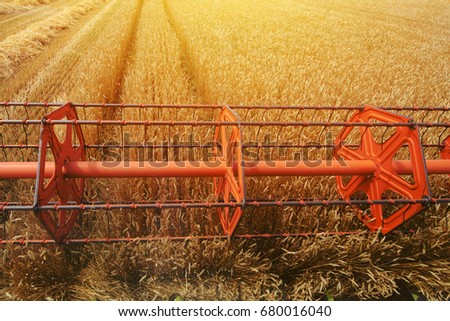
x=348, y=153
x=367, y=141
x=353, y=184
x=376, y=210
x=218, y=185
x=396, y=184
x=392, y=146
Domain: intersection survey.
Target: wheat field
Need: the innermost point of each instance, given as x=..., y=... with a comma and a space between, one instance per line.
x=254, y=52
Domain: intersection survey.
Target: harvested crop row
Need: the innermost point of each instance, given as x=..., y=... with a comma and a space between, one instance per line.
x=31, y=67
x=90, y=66
x=29, y=2
x=6, y=8
x=20, y=20
x=155, y=73
x=13, y=6
x=28, y=43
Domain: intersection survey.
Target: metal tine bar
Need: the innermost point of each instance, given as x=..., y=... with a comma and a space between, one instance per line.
x=216, y=123
x=181, y=238
x=250, y=203
x=167, y=148
x=255, y=202
x=208, y=145
x=206, y=106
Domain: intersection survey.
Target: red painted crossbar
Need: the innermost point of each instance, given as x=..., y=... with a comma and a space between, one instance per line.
x=131, y=169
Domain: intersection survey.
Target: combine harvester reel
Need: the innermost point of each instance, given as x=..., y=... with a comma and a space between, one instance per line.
x=384, y=189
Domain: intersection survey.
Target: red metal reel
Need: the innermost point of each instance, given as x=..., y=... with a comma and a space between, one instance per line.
x=231, y=187
x=60, y=141
x=385, y=179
